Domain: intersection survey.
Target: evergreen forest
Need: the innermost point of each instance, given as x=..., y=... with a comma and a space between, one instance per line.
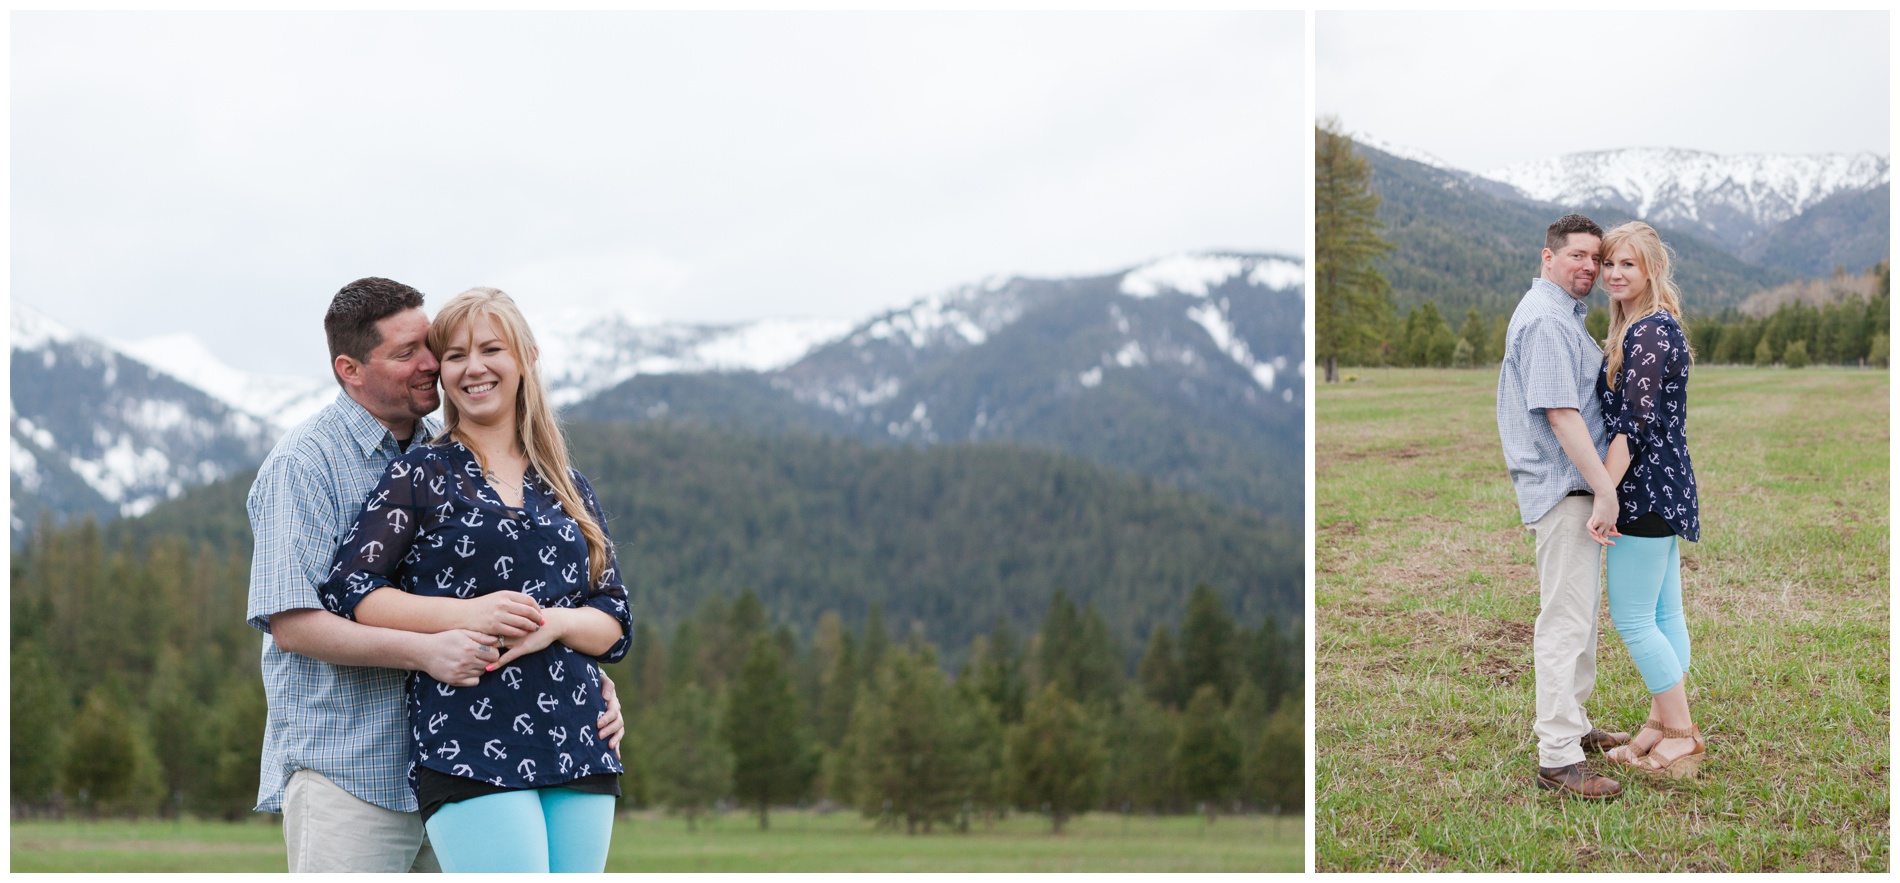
x=928, y=636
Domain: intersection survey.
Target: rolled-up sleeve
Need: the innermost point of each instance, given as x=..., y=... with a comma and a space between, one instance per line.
x=1550, y=356
x=1653, y=352
x=289, y=507
x=370, y=554
x=610, y=596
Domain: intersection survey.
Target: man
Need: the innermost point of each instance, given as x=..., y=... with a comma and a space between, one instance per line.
x=336, y=740
x=1554, y=442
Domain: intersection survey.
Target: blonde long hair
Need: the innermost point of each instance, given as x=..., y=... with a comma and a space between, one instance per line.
x=535, y=426
x=1659, y=295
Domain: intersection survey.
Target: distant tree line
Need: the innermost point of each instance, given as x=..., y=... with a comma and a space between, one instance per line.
x=135, y=691
x=1849, y=331
x=734, y=709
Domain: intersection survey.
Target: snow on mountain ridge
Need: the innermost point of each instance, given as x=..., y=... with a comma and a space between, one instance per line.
x=1196, y=273
x=1676, y=184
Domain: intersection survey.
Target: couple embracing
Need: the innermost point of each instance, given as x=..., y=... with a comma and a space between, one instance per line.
x=1596, y=443
x=435, y=598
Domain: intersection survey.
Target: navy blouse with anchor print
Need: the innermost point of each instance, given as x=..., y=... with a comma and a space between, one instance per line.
x=1651, y=405
x=434, y=526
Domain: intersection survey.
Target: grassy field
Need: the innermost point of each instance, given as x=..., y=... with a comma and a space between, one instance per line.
x=798, y=841
x=1426, y=595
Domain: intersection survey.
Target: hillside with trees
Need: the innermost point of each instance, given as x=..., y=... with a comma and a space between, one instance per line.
x=897, y=630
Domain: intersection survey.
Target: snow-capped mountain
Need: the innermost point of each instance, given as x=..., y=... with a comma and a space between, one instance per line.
x=1207, y=343
x=97, y=431
x=1729, y=198
x=1187, y=369
x=582, y=355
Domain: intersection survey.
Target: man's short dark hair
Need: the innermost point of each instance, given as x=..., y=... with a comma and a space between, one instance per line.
x=351, y=321
x=1558, y=235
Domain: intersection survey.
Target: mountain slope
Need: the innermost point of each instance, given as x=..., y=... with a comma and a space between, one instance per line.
x=1461, y=242
x=1187, y=369
x=97, y=432
x=1848, y=229
x=1726, y=199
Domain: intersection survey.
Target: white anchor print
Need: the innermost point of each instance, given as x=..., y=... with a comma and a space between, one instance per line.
x=444, y=689
x=370, y=549
x=397, y=518
x=512, y=677
x=547, y=555
x=465, y=546
x=571, y=573
x=526, y=768
x=580, y=694
x=555, y=672
x=481, y=710
x=445, y=510
x=399, y=469
x=547, y=703
x=439, y=484
x=508, y=527
x=436, y=721
x=464, y=770
x=466, y=589
x=450, y=750
x=530, y=586
x=587, y=735
x=376, y=502
x=567, y=532
x=559, y=735
x=523, y=725
x=567, y=762
x=493, y=749
x=445, y=579
x=501, y=565
x=473, y=518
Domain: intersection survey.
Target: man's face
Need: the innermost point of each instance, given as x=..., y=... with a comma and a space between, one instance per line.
x=1573, y=268
x=398, y=380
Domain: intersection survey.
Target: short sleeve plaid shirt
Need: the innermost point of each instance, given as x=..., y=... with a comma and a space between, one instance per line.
x=345, y=722
x=1550, y=361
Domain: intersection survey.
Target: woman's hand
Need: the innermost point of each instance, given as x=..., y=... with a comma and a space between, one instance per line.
x=506, y=615
x=540, y=639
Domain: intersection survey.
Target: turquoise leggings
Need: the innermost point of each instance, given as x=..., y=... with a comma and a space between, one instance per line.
x=1646, y=606
x=524, y=832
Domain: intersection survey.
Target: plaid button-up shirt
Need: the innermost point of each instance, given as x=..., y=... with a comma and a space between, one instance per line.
x=1550, y=361
x=348, y=723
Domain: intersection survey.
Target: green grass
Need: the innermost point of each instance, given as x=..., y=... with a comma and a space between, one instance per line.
x=797, y=841
x=1426, y=593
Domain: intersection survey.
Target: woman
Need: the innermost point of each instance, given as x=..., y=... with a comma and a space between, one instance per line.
x=486, y=528
x=1644, y=387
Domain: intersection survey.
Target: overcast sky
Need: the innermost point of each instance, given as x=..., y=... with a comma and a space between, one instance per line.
x=1486, y=90
x=226, y=173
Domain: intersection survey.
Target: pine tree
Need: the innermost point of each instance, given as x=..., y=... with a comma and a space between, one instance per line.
x=1352, y=297
x=917, y=747
x=1477, y=335
x=1057, y=759
x=1160, y=671
x=1276, y=767
x=689, y=766
x=1206, y=755
x=771, y=752
x=1207, y=643
x=1141, y=751
x=38, y=716
x=999, y=672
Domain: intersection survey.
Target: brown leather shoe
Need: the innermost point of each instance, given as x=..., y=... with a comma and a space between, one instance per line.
x=1578, y=782
x=1600, y=741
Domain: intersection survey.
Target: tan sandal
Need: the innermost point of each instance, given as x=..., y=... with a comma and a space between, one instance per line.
x=1628, y=754
x=1682, y=766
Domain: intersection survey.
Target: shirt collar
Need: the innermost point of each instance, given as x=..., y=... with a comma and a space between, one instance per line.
x=369, y=433
x=1578, y=305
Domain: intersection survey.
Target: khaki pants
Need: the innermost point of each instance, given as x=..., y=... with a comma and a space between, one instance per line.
x=328, y=829
x=1564, y=648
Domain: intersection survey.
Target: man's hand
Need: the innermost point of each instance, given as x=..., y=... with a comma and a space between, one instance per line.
x=1603, y=520
x=505, y=614
x=611, y=725
x=457, y=657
